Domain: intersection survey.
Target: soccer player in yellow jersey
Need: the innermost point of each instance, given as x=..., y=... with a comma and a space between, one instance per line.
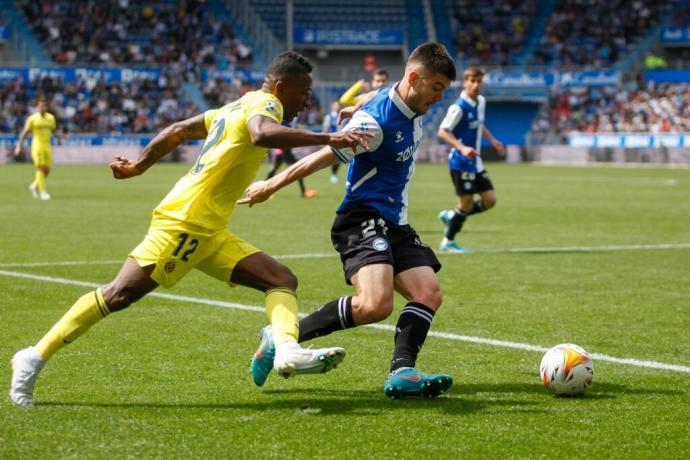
x=378, y=80
x=41, y=125
x=189, y=227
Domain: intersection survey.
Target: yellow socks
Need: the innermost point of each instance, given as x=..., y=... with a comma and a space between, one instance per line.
x=86, y=312
x=40, y=181
x=281, y=308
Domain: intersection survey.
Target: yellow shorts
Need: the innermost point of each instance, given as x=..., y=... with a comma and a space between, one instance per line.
x=175, y=248
x=41, y=157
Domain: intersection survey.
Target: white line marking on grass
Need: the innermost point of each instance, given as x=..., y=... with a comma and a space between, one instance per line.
x=628, y=247
x=385, y=327
x=63, y=264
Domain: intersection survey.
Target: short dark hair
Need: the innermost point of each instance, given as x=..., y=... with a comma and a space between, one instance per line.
x=288, y=63
x=472, y=72
x=434, y=56
x=381, y=72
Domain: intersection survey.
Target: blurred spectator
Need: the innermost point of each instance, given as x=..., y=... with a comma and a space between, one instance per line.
x=594, y=33
x=179, y=34
x=488, y=33
x=651, y=108
x=92, y=106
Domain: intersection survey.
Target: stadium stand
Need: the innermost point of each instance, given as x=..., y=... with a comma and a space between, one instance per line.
x=205, y=56
x=646, y=108
x=94, y=106
x=180, y=34
x=488, y=33
x=594, y=33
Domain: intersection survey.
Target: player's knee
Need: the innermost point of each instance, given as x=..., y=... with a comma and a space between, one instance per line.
x=429, y=296
x=489, y=203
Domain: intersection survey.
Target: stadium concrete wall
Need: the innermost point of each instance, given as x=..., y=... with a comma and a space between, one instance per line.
x=565, y=154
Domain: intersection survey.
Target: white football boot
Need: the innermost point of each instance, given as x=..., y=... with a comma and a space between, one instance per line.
x=26, y=364
x=293, y=359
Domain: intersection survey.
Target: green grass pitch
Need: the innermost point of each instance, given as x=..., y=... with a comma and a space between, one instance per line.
x=168, y=378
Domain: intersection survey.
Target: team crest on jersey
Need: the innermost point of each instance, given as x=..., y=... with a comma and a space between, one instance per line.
x=470, y=116
x=380, y=244
x=271, y=107
x=398, y=137
x=169, y=267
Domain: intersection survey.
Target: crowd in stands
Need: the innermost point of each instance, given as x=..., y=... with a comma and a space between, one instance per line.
x=94, y=106
x=594, y=33
x=681, y=17
x=637, y=108
x=488, y=33
x=180, y=34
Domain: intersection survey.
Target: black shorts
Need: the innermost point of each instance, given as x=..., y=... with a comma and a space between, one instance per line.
x=363, y=237
x=289, y=157
x=467, y=183
x=286, y=157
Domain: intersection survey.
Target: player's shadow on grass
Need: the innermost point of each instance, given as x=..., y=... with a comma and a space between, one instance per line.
x=462, y=399
x=321, y=402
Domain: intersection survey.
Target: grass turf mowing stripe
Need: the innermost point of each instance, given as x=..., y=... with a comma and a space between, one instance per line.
x=317, y=255
x=444, y=335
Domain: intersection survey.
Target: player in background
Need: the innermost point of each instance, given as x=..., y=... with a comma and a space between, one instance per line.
x=281, y=156
x=330, y=125
x=189, y=227
x=379, y=249
x=41, y=125
x=350, y=98
x=462, y=128
x=379, y=79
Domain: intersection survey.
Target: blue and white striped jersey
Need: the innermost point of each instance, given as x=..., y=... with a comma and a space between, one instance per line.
x=465, y=120
x=380, y=177
x=330, y=123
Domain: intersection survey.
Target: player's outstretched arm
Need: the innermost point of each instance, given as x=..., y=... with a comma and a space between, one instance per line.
x=454, y=142
x=265, y=132
x=349, y=97
x=260, y=191
x=498, y=145
x=165, y=142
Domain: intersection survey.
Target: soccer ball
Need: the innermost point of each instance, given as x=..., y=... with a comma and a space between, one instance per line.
x=567, y=370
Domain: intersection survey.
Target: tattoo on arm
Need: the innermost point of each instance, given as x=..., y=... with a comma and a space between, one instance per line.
x=170, y=138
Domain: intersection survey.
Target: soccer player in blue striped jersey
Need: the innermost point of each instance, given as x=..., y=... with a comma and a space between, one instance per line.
x=379, y=250
x=462, y=128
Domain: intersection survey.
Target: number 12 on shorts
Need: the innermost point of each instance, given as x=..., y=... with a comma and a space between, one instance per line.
x=192, y=246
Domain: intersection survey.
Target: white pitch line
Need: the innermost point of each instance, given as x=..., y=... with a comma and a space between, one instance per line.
x=62, y=264
x=629, y=247
x=385, y=327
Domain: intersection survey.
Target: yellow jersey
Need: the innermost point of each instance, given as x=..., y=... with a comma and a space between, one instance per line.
x=227, y=164
x=41, y=127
